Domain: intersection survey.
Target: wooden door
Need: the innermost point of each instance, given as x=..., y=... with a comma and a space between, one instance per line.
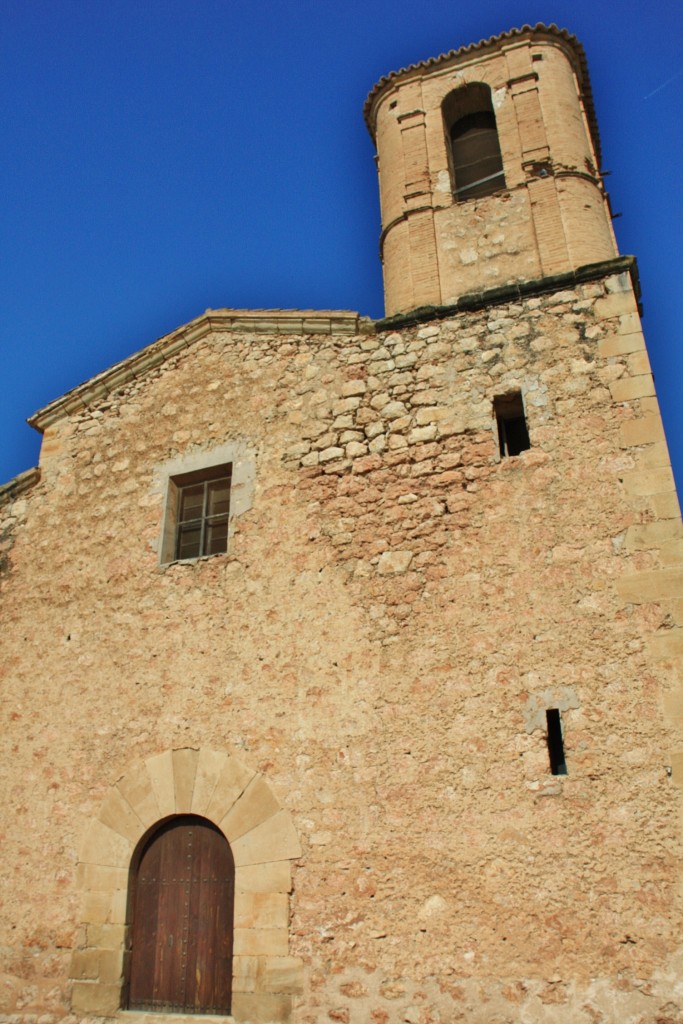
x=181, y=933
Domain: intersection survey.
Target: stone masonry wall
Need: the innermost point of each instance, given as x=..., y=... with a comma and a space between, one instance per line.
x=397, y=609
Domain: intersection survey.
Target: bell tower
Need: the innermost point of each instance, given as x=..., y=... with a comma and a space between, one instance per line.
x=489, y=169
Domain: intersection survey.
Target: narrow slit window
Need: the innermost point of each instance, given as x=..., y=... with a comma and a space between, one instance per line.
x=513, y=434
x=558, y=764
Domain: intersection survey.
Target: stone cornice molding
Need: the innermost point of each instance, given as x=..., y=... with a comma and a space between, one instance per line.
x=248, y=321
x=502, y=294
x=18, y=485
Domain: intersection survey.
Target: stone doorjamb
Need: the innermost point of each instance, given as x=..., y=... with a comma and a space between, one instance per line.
x=239, y=801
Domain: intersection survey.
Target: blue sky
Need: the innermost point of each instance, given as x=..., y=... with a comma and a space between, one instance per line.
x=164, y=157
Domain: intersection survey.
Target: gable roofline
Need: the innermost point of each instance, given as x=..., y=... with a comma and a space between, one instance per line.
x=18, y=485
x=246, y=321
x=572, y=44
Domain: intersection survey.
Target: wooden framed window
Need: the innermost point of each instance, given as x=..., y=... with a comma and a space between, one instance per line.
x=474, y=149
x=181, y=908
x=197, y=514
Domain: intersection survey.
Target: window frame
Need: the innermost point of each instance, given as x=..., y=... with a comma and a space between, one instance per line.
x=170, y=548
x=207, y=519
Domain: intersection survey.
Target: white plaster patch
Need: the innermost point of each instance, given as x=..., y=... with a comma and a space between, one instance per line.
x=498, y=97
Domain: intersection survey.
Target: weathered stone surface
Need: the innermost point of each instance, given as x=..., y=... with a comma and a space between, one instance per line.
x=394, y=562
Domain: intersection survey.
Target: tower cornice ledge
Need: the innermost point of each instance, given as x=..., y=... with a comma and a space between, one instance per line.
x=474, y=50
x=518, y=290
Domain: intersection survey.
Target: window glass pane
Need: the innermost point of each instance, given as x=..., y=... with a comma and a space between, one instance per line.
x=203, y=504
x=191, y=502
x=219, y=498
x=216, y=538
x=189, y=539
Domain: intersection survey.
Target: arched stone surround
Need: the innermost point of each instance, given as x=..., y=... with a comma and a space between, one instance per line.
x=263, y=840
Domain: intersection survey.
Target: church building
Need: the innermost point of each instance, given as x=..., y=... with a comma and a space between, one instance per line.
x=342, y=659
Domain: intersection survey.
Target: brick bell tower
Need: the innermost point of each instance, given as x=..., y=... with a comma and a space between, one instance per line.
x=489, y=169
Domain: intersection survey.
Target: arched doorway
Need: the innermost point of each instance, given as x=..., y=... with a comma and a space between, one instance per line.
x=182, y=889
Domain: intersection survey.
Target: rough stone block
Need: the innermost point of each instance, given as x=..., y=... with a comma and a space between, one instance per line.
x=274, y=840
x=392, y=562
x=230, y=785
x=653, y=481
x=184, y=771
x=273, y=877
x=646, y=430
x=255, y=805
x=210, y=766
x=261, y=910
x=654, y=586
x=328, y=454
x=261, y=1008
x=118, y=815
x=160, y=771
x=420, y=434
x=95, y=998
x=621, y=344
x=353, y=388
x=629, y=388
x=104, y=846
x=644, y=536
x=260, y=942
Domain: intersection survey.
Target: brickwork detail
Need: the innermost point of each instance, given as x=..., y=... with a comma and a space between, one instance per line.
x=552, y=215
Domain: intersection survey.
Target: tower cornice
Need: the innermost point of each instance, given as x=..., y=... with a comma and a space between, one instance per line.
x=537, y=32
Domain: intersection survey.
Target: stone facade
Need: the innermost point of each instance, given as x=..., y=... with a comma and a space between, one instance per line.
x=356, y=692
